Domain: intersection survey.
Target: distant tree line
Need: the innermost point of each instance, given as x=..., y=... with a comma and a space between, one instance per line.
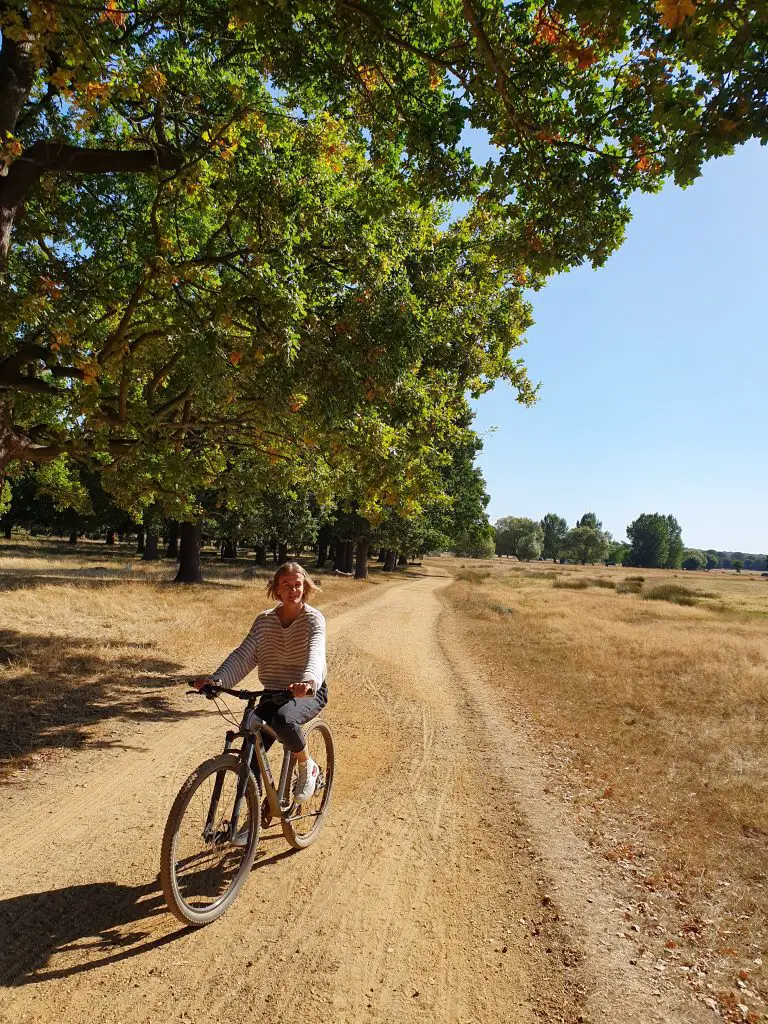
x=240, y=516
x=731, y=560
x=653, y=541
x=528, y=539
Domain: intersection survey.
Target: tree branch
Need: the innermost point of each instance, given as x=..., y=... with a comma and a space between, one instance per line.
x=60, y=158
x=114, y=341
x=491, y=61
x=160, y=376
x=362, y=11
x=172, y=403
x=26, y=353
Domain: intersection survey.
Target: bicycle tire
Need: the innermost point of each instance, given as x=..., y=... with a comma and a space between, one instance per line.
x=184, y=890
x=302, y=825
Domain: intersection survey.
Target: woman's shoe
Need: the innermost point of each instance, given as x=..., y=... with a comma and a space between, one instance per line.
x=306, y=781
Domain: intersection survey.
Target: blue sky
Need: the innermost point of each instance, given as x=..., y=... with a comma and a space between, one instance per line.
x=654, y=372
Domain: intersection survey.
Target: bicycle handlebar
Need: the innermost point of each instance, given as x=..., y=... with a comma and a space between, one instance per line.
x=211, y=690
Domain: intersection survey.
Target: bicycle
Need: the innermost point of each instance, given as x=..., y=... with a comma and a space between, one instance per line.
x=207, y=851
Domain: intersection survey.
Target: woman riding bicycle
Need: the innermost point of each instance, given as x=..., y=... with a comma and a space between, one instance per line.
x=287, y=645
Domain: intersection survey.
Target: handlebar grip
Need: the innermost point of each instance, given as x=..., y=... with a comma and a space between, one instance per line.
x=209, y=691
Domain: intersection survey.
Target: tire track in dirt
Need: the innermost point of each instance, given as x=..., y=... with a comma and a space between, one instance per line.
x=416, y=903
x=593, y=910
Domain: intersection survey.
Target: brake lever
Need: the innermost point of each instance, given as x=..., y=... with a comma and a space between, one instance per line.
x=209, y=692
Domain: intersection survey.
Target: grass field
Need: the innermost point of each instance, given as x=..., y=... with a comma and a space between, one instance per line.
x=92, y=638
x=650, y=690
x=645, y=691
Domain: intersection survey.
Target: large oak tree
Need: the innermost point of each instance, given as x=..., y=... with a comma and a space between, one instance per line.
x=207, y=210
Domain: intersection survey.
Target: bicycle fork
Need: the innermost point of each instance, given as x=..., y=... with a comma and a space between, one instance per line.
x=209, y=833
x=279, y=799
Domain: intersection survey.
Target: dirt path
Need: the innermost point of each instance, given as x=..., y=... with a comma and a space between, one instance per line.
x=437, y=892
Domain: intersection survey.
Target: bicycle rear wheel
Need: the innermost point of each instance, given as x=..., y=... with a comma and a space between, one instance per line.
x=302, y=823
x=201, y=870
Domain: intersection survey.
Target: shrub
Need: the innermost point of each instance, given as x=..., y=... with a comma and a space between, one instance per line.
x=629, y=586
x=570, y=584
x=472, y=576
x=501, y=609
x=597, y=581
x=634, y=579
x=671, y=592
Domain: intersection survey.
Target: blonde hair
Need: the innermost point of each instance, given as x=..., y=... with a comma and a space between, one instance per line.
x=309, y=584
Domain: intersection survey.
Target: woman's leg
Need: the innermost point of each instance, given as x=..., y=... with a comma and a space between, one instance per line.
x=288, y=718
x=287, y=723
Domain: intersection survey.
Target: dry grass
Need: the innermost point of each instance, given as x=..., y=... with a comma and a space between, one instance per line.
x=93, y=639
x=673, y=592
x=657, y=716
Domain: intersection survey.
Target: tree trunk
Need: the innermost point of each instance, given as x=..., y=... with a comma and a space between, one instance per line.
x=72, y=537
x=110, y=537
x=343, y=562
x=228, y=548
x=402, y=560
x=260, y=556
x=349, y=556
x=382, y=555
x=140, y=542
x=8, y=530
x=322, y=547
x=190, y=536
x=361, y=559
x=389, y=561
x=172, y=551
x=282, y=552
x=150, y=553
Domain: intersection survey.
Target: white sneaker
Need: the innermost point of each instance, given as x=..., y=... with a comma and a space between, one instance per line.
x=306, y=781
x=241, y=837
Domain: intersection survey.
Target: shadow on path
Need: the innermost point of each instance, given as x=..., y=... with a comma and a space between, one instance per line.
x=89, y=926
x=96, y=924
x=52, y=693
x=97, y=578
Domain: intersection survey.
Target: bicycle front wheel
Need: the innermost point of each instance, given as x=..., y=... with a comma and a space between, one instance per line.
x=302, y=823
x=201, y=868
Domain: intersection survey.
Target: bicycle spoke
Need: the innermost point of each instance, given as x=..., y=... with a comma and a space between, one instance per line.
x=202, y=867
x=303, y=823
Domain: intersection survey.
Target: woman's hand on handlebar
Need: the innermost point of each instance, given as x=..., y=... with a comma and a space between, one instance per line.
x=200, y=682
x=301, y=689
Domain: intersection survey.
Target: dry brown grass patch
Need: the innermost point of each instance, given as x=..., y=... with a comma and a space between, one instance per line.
x=671, y=592
x=658, y=717
x=92, y=642
x=473, y=575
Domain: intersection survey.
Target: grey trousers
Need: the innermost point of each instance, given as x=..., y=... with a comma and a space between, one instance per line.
x=286, y=715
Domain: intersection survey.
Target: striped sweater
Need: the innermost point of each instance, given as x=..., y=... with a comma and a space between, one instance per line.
x=282, y=654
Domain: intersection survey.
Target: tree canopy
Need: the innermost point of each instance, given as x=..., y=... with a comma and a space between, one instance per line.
x=519, y=536
x=226, y=234
x=554, y=529
x=585, y=542
x=693, y=558
x=656, y=542
x=188, y=190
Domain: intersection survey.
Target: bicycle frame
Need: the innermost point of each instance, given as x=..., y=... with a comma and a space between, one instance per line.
x=251, y=729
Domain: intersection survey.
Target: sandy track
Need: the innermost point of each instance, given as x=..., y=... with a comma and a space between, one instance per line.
x=433, y=894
